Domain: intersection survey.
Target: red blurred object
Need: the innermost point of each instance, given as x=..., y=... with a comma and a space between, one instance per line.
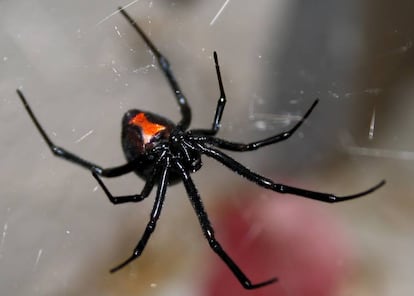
x=268, y=234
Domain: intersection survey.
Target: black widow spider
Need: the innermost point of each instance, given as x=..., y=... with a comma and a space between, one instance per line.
x=164, y=153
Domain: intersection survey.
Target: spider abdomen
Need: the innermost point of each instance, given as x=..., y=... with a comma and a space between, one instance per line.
x=141, y=131
x=147, y=136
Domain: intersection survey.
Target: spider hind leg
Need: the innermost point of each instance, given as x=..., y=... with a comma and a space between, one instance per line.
x=69, y=156
x=166, y=69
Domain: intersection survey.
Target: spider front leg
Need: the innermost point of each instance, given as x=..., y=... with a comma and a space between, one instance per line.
x=209, y=231
x=155, y=215
x=61, y=152
x=281, y=188
x=220, y=105
x=224, y=144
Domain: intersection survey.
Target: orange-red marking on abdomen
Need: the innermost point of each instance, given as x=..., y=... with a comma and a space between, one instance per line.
x=148, y=128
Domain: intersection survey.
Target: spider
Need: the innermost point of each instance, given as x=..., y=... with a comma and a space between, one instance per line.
x=163, y=153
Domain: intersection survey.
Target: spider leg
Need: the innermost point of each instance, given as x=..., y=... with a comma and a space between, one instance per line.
x=61, y=152
x=224, y=144
x=155, y=215
x=220, y=105
x=281, y=188
x=165, y=66
x=209, y=231
x=146, y=190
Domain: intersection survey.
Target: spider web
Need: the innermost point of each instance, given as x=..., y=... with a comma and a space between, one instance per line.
x=82, y=66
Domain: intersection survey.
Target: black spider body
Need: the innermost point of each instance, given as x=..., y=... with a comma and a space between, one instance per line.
x=148, y=137
x=163, y=153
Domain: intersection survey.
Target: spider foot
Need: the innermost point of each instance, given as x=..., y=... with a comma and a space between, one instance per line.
x=248, y=285
x=334, y=198
x=123, y=264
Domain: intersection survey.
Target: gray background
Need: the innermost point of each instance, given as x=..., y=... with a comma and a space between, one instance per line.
x=81, y=71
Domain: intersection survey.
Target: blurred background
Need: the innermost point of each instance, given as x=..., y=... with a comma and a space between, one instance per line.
x=81, y=66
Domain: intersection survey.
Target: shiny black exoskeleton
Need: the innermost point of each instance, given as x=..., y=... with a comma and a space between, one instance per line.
x=163, y=153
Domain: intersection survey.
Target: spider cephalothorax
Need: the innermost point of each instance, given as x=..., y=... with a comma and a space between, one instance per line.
x=164, y=153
